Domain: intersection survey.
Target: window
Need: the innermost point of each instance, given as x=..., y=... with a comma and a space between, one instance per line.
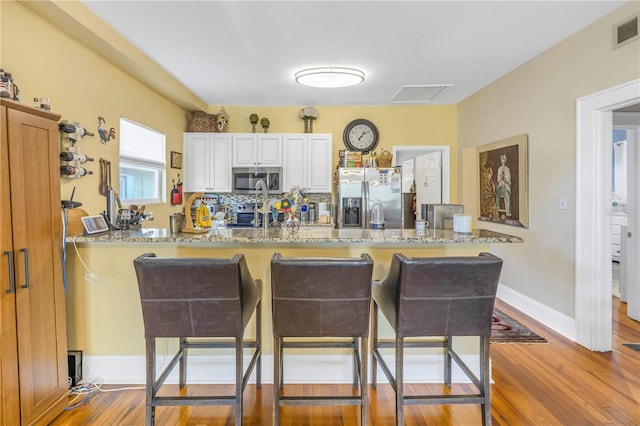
x=142, y=164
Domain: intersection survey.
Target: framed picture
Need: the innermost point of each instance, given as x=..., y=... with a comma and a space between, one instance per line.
x=176, y=160
x=503, y=170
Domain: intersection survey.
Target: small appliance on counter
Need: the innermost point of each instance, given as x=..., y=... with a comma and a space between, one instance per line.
x=377, y=216
x=440, y=216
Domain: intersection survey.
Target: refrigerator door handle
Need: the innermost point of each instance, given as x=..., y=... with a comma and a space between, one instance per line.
x=365, y=205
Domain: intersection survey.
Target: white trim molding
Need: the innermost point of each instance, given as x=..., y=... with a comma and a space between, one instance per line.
x=321, y=369
x=558, y=322
x=593, y=213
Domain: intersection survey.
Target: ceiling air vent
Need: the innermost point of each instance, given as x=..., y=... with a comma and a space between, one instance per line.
x=418, y=94
x=626, y=31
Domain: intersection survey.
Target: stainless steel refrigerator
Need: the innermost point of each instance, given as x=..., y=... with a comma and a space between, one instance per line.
x=360, y=188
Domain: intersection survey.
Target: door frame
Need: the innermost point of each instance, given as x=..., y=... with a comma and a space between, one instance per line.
x=594, y=126
x=414, y=150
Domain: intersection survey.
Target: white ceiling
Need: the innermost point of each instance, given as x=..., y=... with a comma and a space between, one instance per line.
x=246, y=52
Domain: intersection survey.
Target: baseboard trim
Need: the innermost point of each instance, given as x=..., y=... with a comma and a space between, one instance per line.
x=321, y=369
x=558, y=322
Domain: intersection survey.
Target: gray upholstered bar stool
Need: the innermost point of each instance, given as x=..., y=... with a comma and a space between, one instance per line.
x=318, y=298
x=189, y=298
x=437, y=297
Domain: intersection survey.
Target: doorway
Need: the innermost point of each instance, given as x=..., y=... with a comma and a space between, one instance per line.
x=593, y=214
x=402, y=153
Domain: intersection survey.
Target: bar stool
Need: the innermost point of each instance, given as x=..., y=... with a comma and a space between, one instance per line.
x=437, y=297
x=317, y=298
x=188, y=298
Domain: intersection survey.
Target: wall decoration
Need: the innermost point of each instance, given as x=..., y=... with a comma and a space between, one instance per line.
x=176, y=160
x=105, y=135
x=503, y=173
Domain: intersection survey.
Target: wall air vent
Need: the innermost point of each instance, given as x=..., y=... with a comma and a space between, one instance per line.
x=626, y=31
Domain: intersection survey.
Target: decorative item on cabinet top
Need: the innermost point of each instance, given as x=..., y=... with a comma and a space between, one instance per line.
x=253, y=119
x=201, y=122
x=265, y=123
x=308, y=114
x=223, y=120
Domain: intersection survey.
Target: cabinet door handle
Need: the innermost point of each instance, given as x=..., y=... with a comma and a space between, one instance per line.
x=26, y=267
x=12, y=288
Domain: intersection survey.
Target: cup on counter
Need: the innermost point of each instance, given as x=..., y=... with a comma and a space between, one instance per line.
x=176, y=222
x=421, y=226
x=462, y=223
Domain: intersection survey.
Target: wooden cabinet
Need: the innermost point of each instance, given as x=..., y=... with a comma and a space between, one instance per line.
x=207, y=162
x=33, y=344
x=307, y=162
x=257, y=149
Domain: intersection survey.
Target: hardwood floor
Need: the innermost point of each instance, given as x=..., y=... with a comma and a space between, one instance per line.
x=559, y=383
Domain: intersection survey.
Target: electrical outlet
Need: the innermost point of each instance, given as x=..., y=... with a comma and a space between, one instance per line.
x=563, y=202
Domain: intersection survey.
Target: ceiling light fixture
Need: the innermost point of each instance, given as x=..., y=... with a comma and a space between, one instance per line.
x=329, y=77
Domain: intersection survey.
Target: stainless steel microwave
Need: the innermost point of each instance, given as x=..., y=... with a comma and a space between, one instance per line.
x=244, y=179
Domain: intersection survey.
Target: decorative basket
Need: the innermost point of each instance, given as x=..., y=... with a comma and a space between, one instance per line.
x=384, y=159
x=203, y=122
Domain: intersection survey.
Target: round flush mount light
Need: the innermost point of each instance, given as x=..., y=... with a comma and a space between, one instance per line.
x=329, y=77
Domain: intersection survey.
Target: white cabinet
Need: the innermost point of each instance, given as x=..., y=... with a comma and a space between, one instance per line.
x=256, y=149
x=307, y=162
x=617, y=221
x=207, y=162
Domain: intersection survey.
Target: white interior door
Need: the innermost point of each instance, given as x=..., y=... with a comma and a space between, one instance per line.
x=428, y=174
x=632, y=246
x=407, y=175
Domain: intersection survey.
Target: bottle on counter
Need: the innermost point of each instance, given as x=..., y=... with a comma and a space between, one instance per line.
x=312, y=212
x=72, y=171
x=72, y=156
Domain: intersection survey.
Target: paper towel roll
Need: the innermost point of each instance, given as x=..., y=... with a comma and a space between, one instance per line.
x=462, y=223
x=323, y=207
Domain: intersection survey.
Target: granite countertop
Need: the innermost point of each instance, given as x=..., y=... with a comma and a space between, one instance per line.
x=311, y=235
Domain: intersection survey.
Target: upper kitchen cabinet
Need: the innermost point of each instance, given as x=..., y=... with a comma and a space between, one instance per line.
x=207, y=159
x=307, y=162
x=257, y=150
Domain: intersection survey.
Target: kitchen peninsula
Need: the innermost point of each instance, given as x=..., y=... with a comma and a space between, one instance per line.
x=103, y=305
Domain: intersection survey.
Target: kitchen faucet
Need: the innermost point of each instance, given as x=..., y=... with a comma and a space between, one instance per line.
x=261, y=186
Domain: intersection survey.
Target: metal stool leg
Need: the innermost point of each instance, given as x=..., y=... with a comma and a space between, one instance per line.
x=485, y=380
x=447, y=360
x=259, y=343
x=239, y=381
x=399, y=382
x=277, y=376
x=151, y=379
x=183, y=363
x=374, y=361
x=364, y=386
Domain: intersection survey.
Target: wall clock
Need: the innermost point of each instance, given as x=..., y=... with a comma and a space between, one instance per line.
x=361, y=135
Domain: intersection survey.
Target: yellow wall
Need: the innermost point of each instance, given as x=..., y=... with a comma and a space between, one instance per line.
x=82, y=86
x=39, y=48
x=398, y=125
x=539, y=98
x=104, y=315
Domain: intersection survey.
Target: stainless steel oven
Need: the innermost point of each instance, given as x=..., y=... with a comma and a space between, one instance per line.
x=244, y=179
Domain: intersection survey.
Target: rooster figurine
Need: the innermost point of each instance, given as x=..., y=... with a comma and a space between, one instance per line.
x=104, y=135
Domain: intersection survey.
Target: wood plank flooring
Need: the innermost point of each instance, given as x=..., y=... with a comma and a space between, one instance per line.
x=559, y=383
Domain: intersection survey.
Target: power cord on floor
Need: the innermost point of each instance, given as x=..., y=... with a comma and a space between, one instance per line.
x=89, y=386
